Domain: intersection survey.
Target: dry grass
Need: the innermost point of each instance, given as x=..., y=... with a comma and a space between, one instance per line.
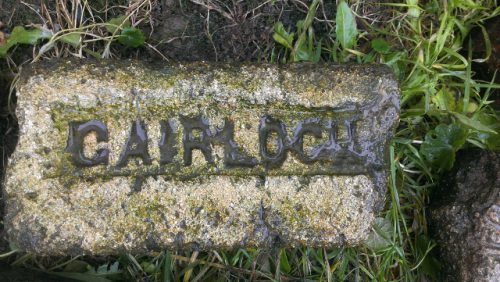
x=426, y=56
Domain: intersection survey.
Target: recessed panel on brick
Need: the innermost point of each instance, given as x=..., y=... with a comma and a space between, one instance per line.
x=124, y=156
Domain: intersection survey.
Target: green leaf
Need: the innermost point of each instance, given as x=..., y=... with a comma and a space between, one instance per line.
x=103, y=270
x=381, y=46
x=413, y=9
x=20, y=35
x=23, y=36
x=440, y=145
x=80, y=276
x=5, y=47
x=71, y=38
x=281, y=36
x=131, y=37
x=77, y=266
x=317, y=53
x=380, y=236
x=149, y=267
x=167, y=267
x=284, y=264
x=92, y=53
x=491, y=140
x=345, y=28
x=301, y=52
x=444, y=100
x=113, y=24
x=430, y=265
x=472, y=123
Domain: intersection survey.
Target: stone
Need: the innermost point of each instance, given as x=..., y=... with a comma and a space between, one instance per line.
x=123, y=156
x=465, y=218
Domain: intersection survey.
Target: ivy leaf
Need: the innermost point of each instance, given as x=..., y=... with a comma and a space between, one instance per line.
x=281, y=36
x=131, y=37
x=381, y=46
x=440, y=145
x=345, y=28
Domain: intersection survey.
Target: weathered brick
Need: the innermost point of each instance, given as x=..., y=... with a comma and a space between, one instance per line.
x=122, y=156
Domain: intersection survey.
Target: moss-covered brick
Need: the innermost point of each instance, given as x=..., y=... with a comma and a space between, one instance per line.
x=123, y=155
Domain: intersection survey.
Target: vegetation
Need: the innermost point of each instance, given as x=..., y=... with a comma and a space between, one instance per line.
x=444, y=109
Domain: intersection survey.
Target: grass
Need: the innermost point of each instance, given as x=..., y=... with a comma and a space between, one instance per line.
x=444, y=109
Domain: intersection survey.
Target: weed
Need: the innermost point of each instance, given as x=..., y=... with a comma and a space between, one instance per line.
x=444, y=109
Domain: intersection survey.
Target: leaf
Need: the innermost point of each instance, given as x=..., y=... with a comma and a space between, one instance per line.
x=113, y=24
x=491, y=140
x=301, y=52
x=71, y=38
x=103, y=270
x=76, y=266
x=440, y=145
x=284, y=264
x=131, y=37
x=444, y=100
x=430, y=265
x=413, y=9
x=167, y=267
x=23, y=36
x=114, y=268
x=317, y=53
x=345, y=28
x=149, y=267
x=92, y=53
x=5, y=47
x=20, y=35
x=281, y=36
x=472, y=123
x=80, y=276
x=381, y=46
x=380, y=236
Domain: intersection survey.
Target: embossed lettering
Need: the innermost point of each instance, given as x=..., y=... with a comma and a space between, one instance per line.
x=167, y=146
x=191, y=142
x=338, y=148
x=136, y=145
x=77, y=133
x=267, y=126
x=233, y=154
x=312, y=127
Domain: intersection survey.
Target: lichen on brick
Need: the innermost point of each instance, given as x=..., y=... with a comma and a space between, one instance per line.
x=291, y=155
